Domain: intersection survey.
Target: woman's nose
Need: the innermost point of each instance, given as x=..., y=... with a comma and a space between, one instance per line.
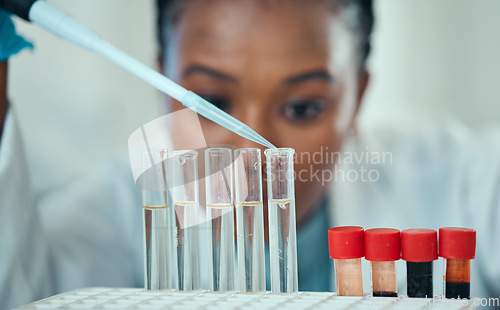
x=257, y=118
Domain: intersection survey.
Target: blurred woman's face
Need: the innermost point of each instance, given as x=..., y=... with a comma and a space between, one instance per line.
x=288, y=69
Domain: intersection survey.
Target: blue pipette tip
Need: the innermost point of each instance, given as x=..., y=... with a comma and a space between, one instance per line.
x=250, y=134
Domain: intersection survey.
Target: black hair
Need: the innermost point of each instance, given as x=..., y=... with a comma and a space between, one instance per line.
x=359, y=19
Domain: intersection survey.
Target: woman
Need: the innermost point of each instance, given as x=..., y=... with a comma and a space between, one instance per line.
x=295, y=72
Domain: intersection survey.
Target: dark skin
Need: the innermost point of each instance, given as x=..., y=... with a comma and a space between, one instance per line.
x=3, y=95
x=288, y=69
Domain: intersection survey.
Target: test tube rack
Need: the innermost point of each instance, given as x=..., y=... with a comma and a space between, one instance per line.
x=132, y=298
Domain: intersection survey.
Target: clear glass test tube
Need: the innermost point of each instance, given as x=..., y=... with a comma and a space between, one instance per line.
x=185, y=200
x=346, y=246
x=220, y=216
x=382, y=249
x=282, y=223
x=156, y=217
x=250, y=220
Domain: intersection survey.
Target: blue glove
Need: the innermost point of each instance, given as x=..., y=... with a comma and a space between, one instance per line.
x=10, y=42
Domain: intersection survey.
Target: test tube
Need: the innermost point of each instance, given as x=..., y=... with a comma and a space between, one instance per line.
x=250, y=220
x=220, y=216
x=419, y=250
x=457, y=246
x=382, y=249
x=282, y=223
x=346, y=246
x=156, y=217
x=184, y=190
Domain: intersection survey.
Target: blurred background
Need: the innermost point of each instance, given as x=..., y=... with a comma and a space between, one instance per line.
x=431, y=59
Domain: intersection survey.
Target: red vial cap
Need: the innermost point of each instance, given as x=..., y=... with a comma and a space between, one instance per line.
x=382, y=244
x=346, y=242
x=419, y=245
x=457, y=242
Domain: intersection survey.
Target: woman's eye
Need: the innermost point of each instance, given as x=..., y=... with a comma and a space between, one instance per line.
x=218, y=101
x=303, y=110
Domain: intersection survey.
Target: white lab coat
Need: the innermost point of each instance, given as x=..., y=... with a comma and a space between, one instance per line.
x=89, y=233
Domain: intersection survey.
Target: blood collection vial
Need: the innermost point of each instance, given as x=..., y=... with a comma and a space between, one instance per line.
x=382, y=249
x=419, y=248
x=458, y=246
x=346, y=249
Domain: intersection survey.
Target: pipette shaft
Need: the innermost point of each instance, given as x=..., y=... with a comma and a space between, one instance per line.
x=61, y=24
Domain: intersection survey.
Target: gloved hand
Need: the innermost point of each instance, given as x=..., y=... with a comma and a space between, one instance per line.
x=10, y=42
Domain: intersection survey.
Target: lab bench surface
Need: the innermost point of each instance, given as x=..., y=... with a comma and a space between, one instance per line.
x=131, y=298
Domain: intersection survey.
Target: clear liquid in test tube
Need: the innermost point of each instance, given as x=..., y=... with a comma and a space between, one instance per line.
x=250, y=220
x=282, y=223
x=183, y=169
x=220, y=216
x=156, y=227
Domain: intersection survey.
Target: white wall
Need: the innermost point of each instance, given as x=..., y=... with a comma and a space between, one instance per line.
x=431, y=58
x=435, y=58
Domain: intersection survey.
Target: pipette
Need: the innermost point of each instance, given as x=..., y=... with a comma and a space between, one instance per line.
x=61, y=24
